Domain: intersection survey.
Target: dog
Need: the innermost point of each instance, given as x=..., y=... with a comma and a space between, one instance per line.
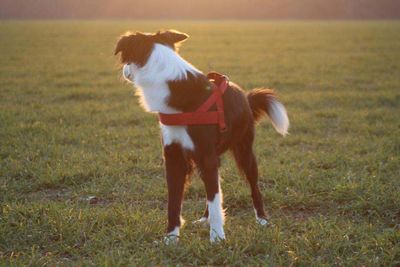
x=168, y=84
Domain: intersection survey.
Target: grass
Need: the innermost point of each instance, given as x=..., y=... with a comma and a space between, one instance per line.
x=81, y=175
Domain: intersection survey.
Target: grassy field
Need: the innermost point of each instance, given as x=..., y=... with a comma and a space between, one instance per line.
x=81, y=174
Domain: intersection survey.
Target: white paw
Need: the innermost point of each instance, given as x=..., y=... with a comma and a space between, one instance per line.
x=171, y=239
x=262, y=221
x=202, y=221
x=217, y=236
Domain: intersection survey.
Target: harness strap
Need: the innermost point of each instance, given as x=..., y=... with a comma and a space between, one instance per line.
x=202, y=115
x=189, y=118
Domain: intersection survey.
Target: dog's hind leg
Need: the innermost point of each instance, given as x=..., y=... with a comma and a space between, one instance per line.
x=177, y=171
x=208, y=167
x=247, y=164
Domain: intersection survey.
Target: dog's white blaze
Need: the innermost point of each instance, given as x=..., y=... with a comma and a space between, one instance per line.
x=163, y=65
x=279, y=117
x=216, y=218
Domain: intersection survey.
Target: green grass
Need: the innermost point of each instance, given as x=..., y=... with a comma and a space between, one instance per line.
x=71, y=129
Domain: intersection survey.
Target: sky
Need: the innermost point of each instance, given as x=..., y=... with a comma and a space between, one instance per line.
x=203, y=9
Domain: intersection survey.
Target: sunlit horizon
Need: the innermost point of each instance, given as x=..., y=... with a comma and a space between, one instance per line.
x=206, y=9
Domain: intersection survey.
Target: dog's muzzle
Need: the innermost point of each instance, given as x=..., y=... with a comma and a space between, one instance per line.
x=127, y=73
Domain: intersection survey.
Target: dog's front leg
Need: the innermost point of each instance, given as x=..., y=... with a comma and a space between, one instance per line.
x=177, y=170
x=208, y=167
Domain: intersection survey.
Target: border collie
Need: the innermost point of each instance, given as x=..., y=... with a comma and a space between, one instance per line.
x=166, y=83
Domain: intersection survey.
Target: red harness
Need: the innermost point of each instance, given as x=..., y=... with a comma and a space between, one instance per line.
x=202, y=115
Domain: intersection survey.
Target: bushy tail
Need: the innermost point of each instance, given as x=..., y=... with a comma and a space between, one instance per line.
x=264, y=101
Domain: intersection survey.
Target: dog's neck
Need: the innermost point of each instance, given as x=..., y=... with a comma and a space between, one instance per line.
x=163, y=66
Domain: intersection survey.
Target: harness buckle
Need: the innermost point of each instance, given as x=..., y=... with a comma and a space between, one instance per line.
x=226, y=78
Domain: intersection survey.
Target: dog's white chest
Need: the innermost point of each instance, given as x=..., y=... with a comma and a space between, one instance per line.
x=154, y=100
x=176, y=134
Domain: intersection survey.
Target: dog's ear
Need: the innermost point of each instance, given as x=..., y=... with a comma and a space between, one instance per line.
x=175, y=36
x=172, y=36
x=123, y=43
x=134, y=47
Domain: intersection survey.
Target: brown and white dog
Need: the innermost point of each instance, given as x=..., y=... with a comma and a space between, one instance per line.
x=168, y=84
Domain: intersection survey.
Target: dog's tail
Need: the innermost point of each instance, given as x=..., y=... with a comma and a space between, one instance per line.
x=264, y=101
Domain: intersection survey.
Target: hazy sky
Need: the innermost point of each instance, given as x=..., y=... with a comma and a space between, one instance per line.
x=204, y=9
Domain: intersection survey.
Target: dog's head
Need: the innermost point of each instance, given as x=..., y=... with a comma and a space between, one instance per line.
x=136, y=48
